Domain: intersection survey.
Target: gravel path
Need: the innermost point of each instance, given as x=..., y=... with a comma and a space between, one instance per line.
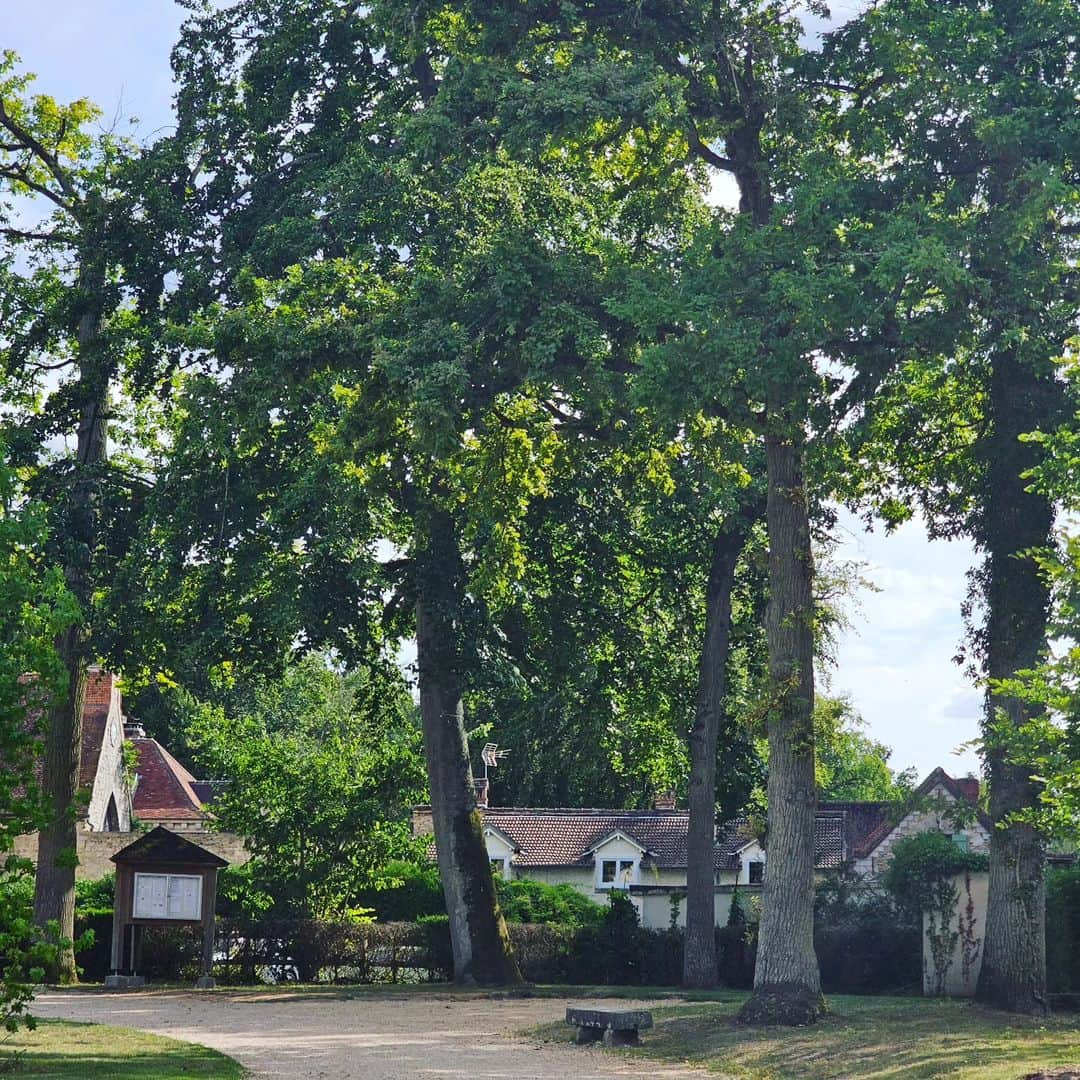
x=373, y=1036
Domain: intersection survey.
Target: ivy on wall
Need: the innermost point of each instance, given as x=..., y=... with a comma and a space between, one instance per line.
x=921, y=877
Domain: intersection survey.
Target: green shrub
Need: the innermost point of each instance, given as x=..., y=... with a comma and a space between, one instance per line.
x=1063, y=929
x=95, y=897
x=921, y=863
x=404, y=892
x=26, y=952
x=536, y=902
x=865, y=940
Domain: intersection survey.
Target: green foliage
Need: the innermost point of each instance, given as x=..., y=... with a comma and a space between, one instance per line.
x=404, y=892
x=34, y=605
x=850, y=765
x=27, y=952
x=921, y=864
x=1048, y=742
x=95, y=897
x=321, y=769
x=537, y=902
x=1063, y=929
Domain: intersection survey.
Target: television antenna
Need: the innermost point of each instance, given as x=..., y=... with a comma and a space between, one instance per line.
x=491, y=755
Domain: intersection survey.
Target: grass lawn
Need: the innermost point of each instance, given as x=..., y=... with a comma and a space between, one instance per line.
x=862, y=1037
x=77, y=1051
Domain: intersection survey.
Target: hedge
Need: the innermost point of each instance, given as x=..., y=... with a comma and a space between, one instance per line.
x=864, y=945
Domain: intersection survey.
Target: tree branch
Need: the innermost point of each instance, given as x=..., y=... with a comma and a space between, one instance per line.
x=27, y=234
x=698, y=147
x=49, y=160
x=23, y=177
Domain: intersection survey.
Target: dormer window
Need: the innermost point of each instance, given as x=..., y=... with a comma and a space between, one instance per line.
x=617, y=873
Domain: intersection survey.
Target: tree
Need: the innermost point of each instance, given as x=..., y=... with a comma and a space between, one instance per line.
x=397, y=299
x=720, y=86
x=851, y=766
x=69, y=332
x=34, y=605
x=986, y=180
x=320, y=769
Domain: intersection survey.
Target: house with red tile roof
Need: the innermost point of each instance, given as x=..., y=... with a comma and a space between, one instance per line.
x=112, y=803
x=165, y=792
x=644, y=852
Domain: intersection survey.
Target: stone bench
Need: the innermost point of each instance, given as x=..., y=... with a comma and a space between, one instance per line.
x=616, y=1028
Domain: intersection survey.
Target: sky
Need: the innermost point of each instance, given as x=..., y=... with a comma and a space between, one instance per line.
x=895, y=662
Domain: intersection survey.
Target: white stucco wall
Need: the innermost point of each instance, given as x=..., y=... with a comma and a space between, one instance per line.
x=752, y=853
x=619, y=849
x=498, y=847
x=654, y=909
x=960, y=966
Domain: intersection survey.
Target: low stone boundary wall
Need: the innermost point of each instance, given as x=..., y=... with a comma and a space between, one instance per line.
x=96, y=849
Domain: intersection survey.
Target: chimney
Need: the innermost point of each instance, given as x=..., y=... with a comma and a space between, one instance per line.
x=99, y=686
x=133, y=729
x=969, y=787
x=665, y=800
x=482, y=789
x=422, y=824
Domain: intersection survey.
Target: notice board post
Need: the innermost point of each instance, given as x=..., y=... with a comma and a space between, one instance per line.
x=161, y=879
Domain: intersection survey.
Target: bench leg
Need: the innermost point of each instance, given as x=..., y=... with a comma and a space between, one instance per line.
x=588, y=1035
x=620, y=1038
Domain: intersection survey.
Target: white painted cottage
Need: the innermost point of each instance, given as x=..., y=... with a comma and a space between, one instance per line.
x=644, y=851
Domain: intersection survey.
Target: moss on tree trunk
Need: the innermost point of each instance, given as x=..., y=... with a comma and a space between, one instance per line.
x=481, y=946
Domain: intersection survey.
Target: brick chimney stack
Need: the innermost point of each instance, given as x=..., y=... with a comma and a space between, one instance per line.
x=969, y=787
x=665, y=800
x=482, y=788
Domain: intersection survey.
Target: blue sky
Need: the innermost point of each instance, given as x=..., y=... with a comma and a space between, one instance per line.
x=895, y=662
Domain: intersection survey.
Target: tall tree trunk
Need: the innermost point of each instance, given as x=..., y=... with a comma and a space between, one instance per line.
x=1013, y=974
x=700, y=967
x=57, y=857
x=481, y=946
x=54, y=881
x=787, y=984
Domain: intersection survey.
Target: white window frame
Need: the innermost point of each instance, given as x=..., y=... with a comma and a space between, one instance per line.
x=625, y=873
x=166, y=915
x=749, y=873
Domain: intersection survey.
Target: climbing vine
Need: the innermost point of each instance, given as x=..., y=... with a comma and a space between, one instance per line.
x=921, y=877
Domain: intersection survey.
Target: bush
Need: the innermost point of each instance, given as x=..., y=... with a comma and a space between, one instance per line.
x=404, y=893
x=536, y=902
x=26, y=953
x=95, y=897
x=865, y=940
x=1063, y=929
x=919, y=865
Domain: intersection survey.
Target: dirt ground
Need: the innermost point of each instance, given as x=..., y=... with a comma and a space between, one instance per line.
x=373, y=1036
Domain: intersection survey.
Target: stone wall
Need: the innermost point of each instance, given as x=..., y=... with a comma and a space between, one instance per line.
x=110, y=780
x=96, y=849
x=920, y=821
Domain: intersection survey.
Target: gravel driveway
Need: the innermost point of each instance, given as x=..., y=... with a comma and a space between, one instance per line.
x=374, y=1036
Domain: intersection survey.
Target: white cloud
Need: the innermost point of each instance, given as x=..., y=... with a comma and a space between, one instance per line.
x=896, y=661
